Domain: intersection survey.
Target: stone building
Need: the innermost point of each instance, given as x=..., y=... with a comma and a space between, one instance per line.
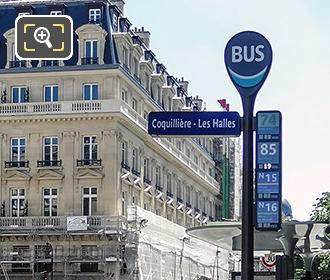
x=75, y=151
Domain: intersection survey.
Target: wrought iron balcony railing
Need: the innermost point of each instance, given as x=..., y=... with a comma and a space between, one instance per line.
x=50, y=163
x=89, y=60
x=169, y=194
x=135, y=172
x=125, y=166
x=17, y=64
x=48, y=63
x=16, y=164
x=146, y=180
x=89, y=162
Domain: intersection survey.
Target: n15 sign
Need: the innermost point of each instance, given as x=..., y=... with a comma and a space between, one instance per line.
x=268, y=170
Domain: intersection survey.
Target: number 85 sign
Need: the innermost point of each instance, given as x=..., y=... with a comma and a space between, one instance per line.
x=268, y=152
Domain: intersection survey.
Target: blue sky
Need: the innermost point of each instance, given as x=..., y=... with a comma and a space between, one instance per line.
x=189, y=37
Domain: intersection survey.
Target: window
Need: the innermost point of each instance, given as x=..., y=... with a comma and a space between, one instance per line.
x=56, y=13
x=124, y=152
x=50, y=202
x=90, y=148
x=196, y=199
x=188, y=194
x=125, y=56
x=134, y=104
x=136, y=67
x=178, y=145
x=51, y=93
x=135, y=159
x=89, y=201
x=124, y=96
x=203, y=166
x=179, y=190
x=146, y=168
x=145, y=115
x=18, y=203
x=19, y=95
x=188, y=152
x=169, y=104
x=196, y=159
x=159, y=92
x=18, y=149
x=169, y=183
x=211, y=209
x=115, y=22
x=89, y=252
x=147, y=82
x=210, y=171
x=50, y=151
x=95, y=15
x=91, y=91
x=91, y=56
x=123, y=203
x=158, y=176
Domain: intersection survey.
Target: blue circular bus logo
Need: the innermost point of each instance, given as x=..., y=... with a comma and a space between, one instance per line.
x=248, y=58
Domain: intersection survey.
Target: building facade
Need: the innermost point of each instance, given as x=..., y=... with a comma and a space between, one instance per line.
x=75, y=152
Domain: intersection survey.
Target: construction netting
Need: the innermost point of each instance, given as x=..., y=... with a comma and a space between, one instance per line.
x=166, y=252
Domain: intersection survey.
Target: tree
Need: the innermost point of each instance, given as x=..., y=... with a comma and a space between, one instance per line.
x=321, y=213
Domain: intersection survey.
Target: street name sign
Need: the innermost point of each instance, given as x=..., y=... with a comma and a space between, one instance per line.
x=179, y=124
x=268, y=170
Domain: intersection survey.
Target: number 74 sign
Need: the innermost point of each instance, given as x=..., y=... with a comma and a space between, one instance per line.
x=268, y=170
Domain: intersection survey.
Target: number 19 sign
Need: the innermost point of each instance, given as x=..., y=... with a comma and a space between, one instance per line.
x=268, y=170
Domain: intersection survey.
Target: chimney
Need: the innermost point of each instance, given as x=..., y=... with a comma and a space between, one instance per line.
x=144, y=35
x=120, y=5
x=184, y=84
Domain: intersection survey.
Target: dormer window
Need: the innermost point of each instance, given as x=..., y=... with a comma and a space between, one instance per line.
x=24, y=13
x=90, y=52
x=125, y=57
x=56, y=13
x=94, y=16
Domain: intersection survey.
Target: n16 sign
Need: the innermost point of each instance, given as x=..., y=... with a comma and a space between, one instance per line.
x=268, y=170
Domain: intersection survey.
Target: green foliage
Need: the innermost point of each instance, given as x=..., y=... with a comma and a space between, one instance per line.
x=321, y=211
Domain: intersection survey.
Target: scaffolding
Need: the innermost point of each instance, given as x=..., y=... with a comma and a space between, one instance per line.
x=144, y=246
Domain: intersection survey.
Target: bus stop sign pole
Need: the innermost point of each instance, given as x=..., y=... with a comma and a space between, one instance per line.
x=248, y=59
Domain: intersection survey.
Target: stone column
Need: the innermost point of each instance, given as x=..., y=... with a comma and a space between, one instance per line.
x=112, y=188
x=69, y=162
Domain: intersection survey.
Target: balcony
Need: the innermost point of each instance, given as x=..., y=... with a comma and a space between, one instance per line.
x=197, y=210
x=17, y=64
x=49, y=63
x=180, y=200
x=17, y=164
x=125, y=166
x=169, y=194
x=58, y=224
x=49, y=163
x=159, y=188
x=135, y=172
x=89, y=162
x=89, y=60
x=188, y=205
x=147, y=181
